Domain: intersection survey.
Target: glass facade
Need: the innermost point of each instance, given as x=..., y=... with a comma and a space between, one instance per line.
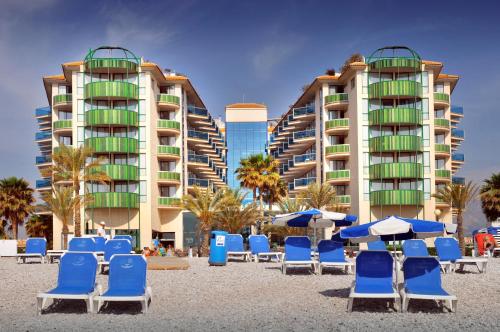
x=243, y=139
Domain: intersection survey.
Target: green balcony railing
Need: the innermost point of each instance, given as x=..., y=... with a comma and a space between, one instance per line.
x=112, y=144
x=404, y=170
x=397, y=62
x=111, y=63
x=343, y=199
x=114, y=200
x=118, y=172
x=442, y=148
x=62, y=124
x=443, y=97
x=340, y=174
x=170, y=150
x=168, y=99
x=443, y=173
x=397, y=197
x=337, y=148
x=167, y=175
x=336, y=123
x=391, y=116
x=336, y=98
x=445, y=123
x=111, y=89
x=63, y=99
x=169, y=124
x=395, y=143
x=393, y=89
x=169, y=201
x=111, y=117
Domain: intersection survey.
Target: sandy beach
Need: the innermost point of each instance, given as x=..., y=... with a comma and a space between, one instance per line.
x=246, y=296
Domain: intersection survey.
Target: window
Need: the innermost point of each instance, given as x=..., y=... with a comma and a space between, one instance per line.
x=168, y=166
x=79, y=83
x=427, y=188
x=425, y=109
x=80, y=135
x=439, y=138
x=336, y=140
x=382, y=185
x=381, y=131
x=142, y=110
x=80, y=109
x=332, y=115
x=439, y=87
x=120, y=159
x=440, y=164
x=167, y=140
x=142, y=137
x=62, y=115
x=365, y=83
x=366, y=189
x=425, y=82
x=66, y=140
x=378, y=158
x=364, y=109
x=167, y=191
x=142, y=164
x=426, y=135
x=340, y=190
x=337, y=165
x=143, y=192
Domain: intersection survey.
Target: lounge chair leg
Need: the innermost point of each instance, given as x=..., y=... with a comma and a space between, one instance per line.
x=90, y=305
x=454, y=304
x=397, y=304
x=346, y=269
x=349, y=304
x=39, y=304
x=144, y=306
x=404, y=304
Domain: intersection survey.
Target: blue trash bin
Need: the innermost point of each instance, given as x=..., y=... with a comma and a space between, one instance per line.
x=218, y=249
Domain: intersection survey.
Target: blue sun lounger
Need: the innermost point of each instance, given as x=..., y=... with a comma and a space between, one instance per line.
x=123, y=237
x=374, y=272
x=114, y=247
x=259, y=247
x=76, y=280
x=85, y=244
x=127, y=281
x=331, y=254
x=376, y=245
x=235, y=249
x=422, y=280
x=36, y=248
x=448, y=250
x=297, y=253
x=418, y=248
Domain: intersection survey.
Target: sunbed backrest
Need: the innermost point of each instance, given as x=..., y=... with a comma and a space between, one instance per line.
x=36, y=245
x=331, y=251
x=374, y=268
x=114, y=247
x=234, y=242
x=77, y=270
x=82, y=244
x=123, y=237
x=258, y=244
x=422, y=273
x=415, y=248
x=297, y=248
x=447, y=248
x=128, y=272
x=100, y=243
x=376, y=245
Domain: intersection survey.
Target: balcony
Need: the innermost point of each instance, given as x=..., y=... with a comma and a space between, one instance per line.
x=337, y=151
x=169, y=177
x=202, y=183
x=337, y=126
x=457, y=111
x=169, y=203
x=43, y=136
x=442, y=150
x=198, y=159
x=304, y=159
x=110, y=65
x=197, y=111
x=62, y=101
x=198, y=135
x=169, y=152
x=305, y=134
x=396, y=64
x=113, y=200
x=118, y=172
x=169, y=126
x=397, y=197
x=303, y=183
x=44, y=184
x=395, y=143
x=168, y=102
x=62, y=126
x=112, y=144
x=337, y=101
x=40, y=160
x=395, y=89
x=442, y=99
x=443, y=175
x=111, y=117
x=458, y=180
x=303, y=112
x=111, y=90
x=458, y=157
x=457, y=134
x=403, y=170
x=441, y=124
x=43, y=112
x=338, y=176
x=343, y=200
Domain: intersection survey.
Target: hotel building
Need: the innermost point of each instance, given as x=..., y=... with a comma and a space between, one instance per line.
x=153, y=132
x=383, y=133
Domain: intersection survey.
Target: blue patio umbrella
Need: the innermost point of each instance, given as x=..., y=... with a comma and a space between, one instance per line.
x=314, y=218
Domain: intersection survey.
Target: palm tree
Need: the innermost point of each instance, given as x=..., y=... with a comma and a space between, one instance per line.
x=39, y=226
x=72, y=164
x=16, y=202
x=490, y=197
x=275, y=193
x=459, y=196
x=62, y=203
x=205, y=205
x=319, y=196
x=270, y=178
x=249, y=173
x=233, y=217
x=287, y=205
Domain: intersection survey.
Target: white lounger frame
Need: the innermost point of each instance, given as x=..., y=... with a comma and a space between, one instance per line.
x=88, y=298
x=446, y=266
x=269, y=256
x=479, y=262
x=144, y=299
x=406, y=297
x=285, y=264
x=24, y=257
x=353, y=295
x=348, y=266
x=245, y=255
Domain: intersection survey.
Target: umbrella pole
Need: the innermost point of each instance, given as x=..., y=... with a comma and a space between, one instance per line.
x=315, y=239
x=395, y=259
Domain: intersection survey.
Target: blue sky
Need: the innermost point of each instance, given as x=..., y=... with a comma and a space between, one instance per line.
x=261, y=51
